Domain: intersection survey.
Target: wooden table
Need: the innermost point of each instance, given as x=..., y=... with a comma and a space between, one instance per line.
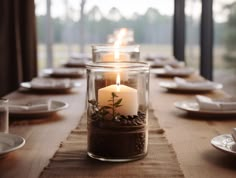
x=190, y=137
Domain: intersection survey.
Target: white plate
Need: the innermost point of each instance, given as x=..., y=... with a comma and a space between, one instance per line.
x=224, y=143
x=28, y=85
x=64, y=73
x=55, y=106
x=174, y=87
x=193, y=107
x=9, y=143
x=181, y=73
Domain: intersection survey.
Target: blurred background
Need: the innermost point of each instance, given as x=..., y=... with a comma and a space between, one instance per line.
x=69, y=27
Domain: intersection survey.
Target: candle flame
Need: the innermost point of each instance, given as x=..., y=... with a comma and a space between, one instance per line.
x=121, y=34
x=118, y=82
x=118, y=43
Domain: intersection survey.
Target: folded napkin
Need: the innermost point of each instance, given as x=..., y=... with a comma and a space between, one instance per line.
x=32, y=106
x=77, y=62
x=156, y=57
x=51, y=83
x=206, y=103
x=182, y=70
x=234, y=134
x=206, y=84
x=67, y=71
x=162, y=63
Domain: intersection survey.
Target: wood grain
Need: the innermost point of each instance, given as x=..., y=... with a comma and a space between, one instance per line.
x=190, y=136
x=43, y=135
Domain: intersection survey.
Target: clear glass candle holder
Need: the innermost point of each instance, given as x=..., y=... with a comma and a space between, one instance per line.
x=117, y=110
x=110, y=53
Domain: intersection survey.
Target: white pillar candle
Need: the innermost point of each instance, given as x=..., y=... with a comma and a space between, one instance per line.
x=111, y=57
x=129, y=98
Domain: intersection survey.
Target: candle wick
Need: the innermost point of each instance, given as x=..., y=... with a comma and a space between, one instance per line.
x=118, y=86
x=118, y=82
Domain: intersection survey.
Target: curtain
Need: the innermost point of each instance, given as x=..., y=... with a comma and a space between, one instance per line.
x=18, y=55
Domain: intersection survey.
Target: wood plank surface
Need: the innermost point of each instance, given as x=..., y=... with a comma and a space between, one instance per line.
x=43, y=136
x=190, y=136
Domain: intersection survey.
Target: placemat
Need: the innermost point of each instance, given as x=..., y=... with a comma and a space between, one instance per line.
x=71, y=159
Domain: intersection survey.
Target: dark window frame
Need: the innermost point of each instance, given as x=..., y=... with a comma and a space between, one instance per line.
x=206, y=36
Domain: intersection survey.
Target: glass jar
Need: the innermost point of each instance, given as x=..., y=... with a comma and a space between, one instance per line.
x=117, y=110
x=110, y=53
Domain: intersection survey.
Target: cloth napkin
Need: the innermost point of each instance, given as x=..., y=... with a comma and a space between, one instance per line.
x=67, y=71
x=182, y=70
x=206, y=84
x=31, y=106
x=167, y=62
x=156, y=57
x=161, y=61
x=51, y=83
x=206, y=103
x=77, y=62
x=234, y=134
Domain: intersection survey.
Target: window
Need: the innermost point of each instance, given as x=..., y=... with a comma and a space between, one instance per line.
x=150, y=20
x=193, y=17
x=225, y=44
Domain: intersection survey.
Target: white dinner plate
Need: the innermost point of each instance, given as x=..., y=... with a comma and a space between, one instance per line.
x=62, y=88
x=64, y=72
x=9, y=143
x=55, y=106
x=181, y=73
x=224, y=143
x=172, y=86
x=193, y=107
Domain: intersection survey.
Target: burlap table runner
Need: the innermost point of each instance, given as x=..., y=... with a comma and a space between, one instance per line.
x=71, y=159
